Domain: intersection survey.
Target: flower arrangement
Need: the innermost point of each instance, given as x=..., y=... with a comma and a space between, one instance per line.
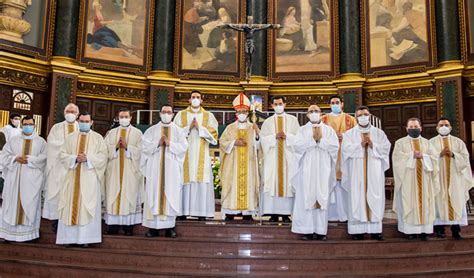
x=215, y=162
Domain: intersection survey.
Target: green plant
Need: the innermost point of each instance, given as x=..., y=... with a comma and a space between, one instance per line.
x=217, y=180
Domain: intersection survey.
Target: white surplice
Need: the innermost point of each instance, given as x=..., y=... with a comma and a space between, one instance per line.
x=163, y=193
x=366, y=205
x=129, y=188
x=20, y=214
x=55, y=172
x=414, y=205
x=198, y=190
x=80, y=200
x=313, y=177
x=277, y=197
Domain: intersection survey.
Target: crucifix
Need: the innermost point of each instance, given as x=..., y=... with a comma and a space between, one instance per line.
x=249, y=30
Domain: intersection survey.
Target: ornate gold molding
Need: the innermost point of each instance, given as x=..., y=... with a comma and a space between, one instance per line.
x=400, y=96
x=109, y=92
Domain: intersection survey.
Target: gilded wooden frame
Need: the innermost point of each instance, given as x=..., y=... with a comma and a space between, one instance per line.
x=96, y=63
x=45, y=51
x=397, y=69
x=180, y=72
x=465, y=31
x=303, y=75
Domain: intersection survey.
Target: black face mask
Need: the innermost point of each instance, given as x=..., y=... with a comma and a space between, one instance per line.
x=414, y=132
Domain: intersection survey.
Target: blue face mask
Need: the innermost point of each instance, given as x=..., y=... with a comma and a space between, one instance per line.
x=336, y=108
x=28, y=129
x=84, y=127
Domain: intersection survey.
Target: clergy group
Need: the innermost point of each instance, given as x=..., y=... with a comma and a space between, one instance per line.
x=330, y=169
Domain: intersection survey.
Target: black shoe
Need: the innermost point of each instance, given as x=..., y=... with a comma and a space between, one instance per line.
x=440, y=235
x=411, y=237
x=152, y=233
x=54, y=226
x=229, y=218
x=286, y=219
x=273, y=218
x=320, y=237
x=202, y=218
x=171, y=233
x=457, y=236
x=181, y=218
x=358, y=237
x=128, y=230
x=84, y=245
x=423, y=237
x=113, y=229
x=307, y=237
x=247, y=218
x=377, y=237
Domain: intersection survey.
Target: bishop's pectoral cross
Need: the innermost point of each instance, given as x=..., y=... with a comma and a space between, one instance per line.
x=249, y=30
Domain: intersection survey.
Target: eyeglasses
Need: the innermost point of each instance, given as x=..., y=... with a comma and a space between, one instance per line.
x=313, y=111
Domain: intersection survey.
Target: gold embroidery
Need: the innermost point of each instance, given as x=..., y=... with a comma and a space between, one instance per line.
x=447, y=161
x=202, y=149
x=281, y=159
x=77, y=182
x=70, y=128
x=366, y=164
x=184, y=123
x=419, y=181
x=123, y=135
x=242, y=171
x=20, y=214
x=161, y=190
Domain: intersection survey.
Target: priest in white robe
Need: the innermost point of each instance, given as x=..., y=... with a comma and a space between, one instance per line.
x=365, y=158
x=200, y=128
x=123, y=178
x=13, y=128
x=164, y=150
x=23, y=161
x=239, y=171
x=278, y=156
x=415, y=170
x=84, y=154
x=55, y=172
x=313, y=176
x=455, y=178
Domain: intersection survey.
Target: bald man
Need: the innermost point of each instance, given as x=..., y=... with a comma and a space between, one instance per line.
x=55, y=171
x=316, y=146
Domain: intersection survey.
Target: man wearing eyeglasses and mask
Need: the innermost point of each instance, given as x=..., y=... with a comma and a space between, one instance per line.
x=340, y=122
x=164, y=150
x=415, y=170
x=24, y=161
x=455, y=178
x=316, y=146
x=239, y=164
x=123, y=178
x=200, y=128
x=365, y=158
x=278, y=157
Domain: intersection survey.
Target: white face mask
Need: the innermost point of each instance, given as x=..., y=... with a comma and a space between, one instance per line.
x=166, y=118
x=195, y=102
x=444, y=130
x=124, y=122
x=315, y=117
x=242, y=117
x=363, y=120
x=16, y=123
x=70, y=118
x=279, y=109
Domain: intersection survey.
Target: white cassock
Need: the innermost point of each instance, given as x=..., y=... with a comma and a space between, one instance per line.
x=416, y=185
x=363, y=177
x=163, y=170
x=455, y=177
x=198, y=189
x=55, y=172
x=313, y=177
x=123, y=177
x=9, y=131
x=80, y=196
x=278, y=157
x=20, y=214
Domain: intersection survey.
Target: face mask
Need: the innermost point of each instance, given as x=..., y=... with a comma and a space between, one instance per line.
x=444, y=130
x=124, y=122
x=242, y=117
x=279, y=109
x=414, y=132
x=166, y=118
x=70, y=118
x=84, y=127
x=363, y=120
x=16, y=123
x=195, y=102
x=315, y=117
x=28, y=129
x=336, y=108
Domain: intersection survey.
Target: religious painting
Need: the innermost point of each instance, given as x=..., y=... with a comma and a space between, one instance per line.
x=305, y=45
x=116, y=34
x=398, y=36
x=204, y=48
x=28, y=34
x=468, y=22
